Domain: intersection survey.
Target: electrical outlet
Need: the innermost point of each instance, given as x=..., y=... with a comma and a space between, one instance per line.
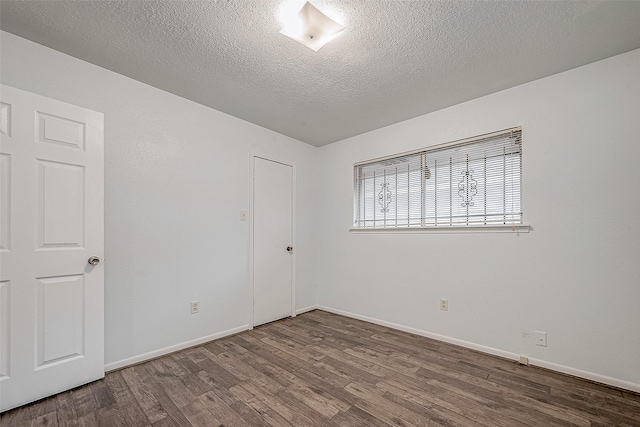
x=541, y=339
x=195, y=307
x=444, y=304
x=243, y=215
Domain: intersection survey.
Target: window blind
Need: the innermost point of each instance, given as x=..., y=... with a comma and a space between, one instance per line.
x=470, y=183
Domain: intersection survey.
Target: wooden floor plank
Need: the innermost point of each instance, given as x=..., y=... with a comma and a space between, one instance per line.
x=356, y=417
x=199, y=416
x=220, y=410
x=66, y=412
x=257, y=403
x=321, y=370
x=49, y=419
x=374, y=402
x=143, y=396
x=84, y=401
x=130, y=409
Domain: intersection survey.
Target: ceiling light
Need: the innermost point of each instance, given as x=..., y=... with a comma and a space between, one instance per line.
x=311, y=27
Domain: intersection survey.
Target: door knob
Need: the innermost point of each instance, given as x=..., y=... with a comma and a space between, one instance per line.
x=94, y=260
x=289, y=248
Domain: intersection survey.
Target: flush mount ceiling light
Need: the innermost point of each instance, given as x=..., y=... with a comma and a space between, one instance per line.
x=311, y=27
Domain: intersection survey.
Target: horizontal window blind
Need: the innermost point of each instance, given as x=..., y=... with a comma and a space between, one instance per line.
x=472, y=183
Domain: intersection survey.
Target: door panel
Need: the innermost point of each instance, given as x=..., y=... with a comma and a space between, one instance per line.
x=51, y=299
x=59, y=130
x=5, y=202
x=272, y=234
x=60, y=318
x=5, y=119
x=60, y=205
x=4, y=328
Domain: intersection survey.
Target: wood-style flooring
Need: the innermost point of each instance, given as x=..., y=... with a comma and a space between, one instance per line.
x=320, y=369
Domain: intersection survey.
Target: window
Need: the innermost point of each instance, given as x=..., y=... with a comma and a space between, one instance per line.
x=474, y=182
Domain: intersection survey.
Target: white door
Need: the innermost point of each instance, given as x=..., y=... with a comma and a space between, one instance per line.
x=272, y=241
x=51, y=298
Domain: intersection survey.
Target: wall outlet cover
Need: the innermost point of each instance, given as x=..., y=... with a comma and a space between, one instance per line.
x=195, y=307
x=541, y=339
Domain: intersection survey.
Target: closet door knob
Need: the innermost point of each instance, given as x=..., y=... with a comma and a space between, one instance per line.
x=94, y=260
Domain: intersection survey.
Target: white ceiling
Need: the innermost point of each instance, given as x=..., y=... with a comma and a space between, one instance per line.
x=395, y=60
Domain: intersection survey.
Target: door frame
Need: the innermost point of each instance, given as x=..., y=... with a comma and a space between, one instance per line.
x=275, y=159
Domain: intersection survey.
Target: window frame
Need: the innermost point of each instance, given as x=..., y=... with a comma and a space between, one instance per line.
x=441, y=228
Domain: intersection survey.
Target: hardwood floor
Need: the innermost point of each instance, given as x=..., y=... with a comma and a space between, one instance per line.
x=320, y=369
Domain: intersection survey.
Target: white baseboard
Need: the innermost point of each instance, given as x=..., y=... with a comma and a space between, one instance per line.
x=490, y=350
x=305, y=309
x=171, y=349
x=467, y=344
x=585, y=374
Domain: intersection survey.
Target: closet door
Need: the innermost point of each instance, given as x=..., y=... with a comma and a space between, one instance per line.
x=272, y=241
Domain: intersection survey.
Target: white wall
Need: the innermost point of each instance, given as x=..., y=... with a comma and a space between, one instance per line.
x=177, y=177
x=575, y=276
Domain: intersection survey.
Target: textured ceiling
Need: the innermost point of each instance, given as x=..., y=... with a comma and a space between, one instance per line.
x=395, y=60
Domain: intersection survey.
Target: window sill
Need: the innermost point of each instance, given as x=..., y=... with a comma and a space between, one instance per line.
x=443, y=229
